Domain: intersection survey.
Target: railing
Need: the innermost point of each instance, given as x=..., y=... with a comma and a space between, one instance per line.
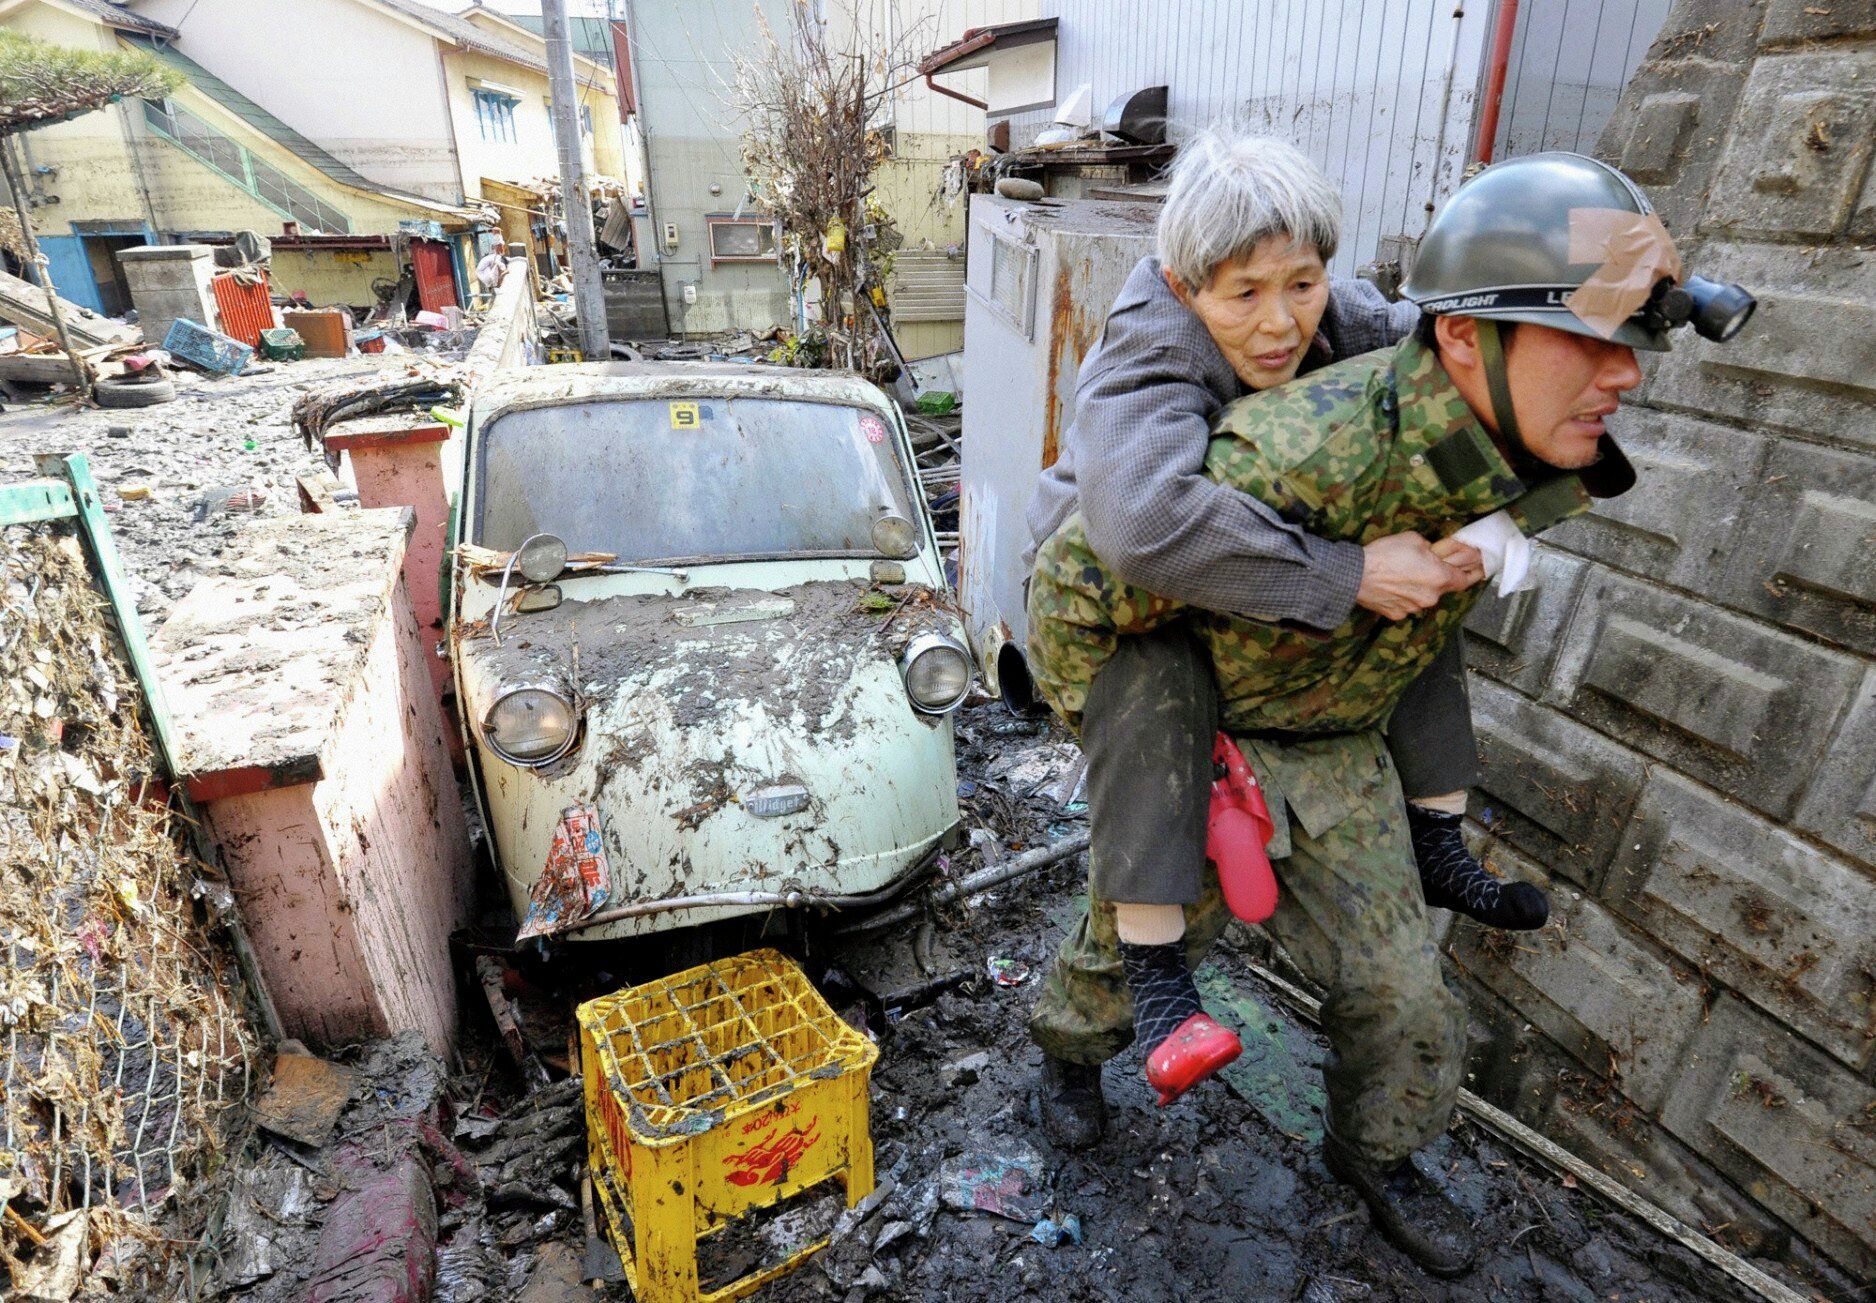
x=234, y=161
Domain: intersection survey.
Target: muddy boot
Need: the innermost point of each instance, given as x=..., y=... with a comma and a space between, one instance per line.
x=1409, y=1209
x=1452, y=879
x=1069, y=1104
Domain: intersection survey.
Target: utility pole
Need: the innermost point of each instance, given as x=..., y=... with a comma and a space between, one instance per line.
x=576, y=205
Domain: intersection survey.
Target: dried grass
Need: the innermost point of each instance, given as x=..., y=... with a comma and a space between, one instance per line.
x=123, y=1042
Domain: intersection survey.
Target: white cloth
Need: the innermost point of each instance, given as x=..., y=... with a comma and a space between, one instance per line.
x=490, y=270
x=1507, y=552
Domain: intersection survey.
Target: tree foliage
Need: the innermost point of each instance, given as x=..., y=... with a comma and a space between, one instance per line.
x=811, y=144
x=41, y=82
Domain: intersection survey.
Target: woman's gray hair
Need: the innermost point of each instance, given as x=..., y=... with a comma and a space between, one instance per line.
x=1231, y=191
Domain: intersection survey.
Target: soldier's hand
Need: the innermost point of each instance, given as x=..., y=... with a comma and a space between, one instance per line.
x=1402, y=574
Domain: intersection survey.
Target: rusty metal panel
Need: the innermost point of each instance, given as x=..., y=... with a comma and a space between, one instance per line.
x=246, y=307
x=1025, y=347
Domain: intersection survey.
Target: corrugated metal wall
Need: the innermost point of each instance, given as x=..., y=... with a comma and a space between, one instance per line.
x=1382, y=93
x=1569, y=61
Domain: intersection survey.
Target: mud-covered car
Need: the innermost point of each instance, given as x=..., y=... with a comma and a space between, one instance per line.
x=703, y=647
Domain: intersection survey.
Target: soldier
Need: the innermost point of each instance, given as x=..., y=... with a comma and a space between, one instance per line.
x=1539, y=279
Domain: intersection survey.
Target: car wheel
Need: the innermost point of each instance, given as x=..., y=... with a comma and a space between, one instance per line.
x=133, y=393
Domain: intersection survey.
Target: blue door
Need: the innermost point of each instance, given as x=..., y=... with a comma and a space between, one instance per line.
x=71, y=270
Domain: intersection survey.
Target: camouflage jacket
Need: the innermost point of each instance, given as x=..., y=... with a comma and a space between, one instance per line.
x=1376, y=445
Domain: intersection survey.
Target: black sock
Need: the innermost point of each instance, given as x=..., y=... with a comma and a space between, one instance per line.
x=1163, y=993
x=1452, y=879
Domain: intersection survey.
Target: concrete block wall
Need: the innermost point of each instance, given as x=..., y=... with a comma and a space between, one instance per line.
x=170, y=281
x=1679, y=724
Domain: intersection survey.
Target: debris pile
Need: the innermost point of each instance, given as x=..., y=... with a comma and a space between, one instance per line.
x=123, y=1043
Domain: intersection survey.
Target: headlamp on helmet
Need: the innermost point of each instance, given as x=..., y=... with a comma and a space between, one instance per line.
x=1716, y=311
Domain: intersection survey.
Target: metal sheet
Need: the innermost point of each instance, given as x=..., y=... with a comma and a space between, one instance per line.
x=1082, y=252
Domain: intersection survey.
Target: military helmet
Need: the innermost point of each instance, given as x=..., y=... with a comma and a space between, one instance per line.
x=1501, y=247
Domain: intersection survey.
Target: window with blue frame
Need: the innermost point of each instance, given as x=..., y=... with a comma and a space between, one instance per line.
x=495, y=114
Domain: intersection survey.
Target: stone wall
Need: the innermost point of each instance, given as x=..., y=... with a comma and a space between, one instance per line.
x=1680, y=722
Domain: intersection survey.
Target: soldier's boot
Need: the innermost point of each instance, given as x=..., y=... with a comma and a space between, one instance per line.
x=1409, y=1209
x=1181, y=1043
x=1452, y=879
x=1069, y=1104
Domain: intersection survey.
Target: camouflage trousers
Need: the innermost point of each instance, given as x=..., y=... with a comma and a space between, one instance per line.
x=1350, y=913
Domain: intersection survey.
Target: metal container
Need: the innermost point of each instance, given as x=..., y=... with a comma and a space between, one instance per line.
x=1040, y=281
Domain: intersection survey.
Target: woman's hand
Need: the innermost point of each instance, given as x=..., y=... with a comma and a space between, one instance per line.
x=1403, y=574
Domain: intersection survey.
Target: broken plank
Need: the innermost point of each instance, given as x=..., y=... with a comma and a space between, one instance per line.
x=24, y=304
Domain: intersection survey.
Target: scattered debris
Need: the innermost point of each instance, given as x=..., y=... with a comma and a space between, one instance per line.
x=126, y=1043
x=304, y=1097
x=1008, y=1184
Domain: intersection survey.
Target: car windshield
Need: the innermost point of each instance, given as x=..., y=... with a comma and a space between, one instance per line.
x=694, y=479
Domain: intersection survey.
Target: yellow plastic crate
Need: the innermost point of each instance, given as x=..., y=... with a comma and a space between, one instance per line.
x=711, y=1093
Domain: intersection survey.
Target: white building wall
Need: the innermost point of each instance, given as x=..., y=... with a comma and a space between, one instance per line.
x=364, y=85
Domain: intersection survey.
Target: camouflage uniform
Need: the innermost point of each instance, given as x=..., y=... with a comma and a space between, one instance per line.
x=1373, y=446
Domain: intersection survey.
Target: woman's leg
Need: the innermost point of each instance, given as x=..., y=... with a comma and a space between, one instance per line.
x=1437, y=757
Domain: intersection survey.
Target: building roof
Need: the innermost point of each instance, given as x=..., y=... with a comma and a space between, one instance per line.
x=119, y=17
x=957, y=55
x=272, y=127
x=458, y=31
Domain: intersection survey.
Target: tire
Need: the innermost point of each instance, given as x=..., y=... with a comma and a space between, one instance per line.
x=133, y=393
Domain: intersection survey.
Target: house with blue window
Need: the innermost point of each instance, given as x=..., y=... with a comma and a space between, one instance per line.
x=367, y=119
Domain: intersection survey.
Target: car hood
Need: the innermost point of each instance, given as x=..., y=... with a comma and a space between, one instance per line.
x=693, y=701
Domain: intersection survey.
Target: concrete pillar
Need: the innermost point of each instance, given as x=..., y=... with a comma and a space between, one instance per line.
x=168, y=281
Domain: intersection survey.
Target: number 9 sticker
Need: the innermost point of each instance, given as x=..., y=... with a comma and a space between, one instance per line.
x=873, y=428
x=684, y=416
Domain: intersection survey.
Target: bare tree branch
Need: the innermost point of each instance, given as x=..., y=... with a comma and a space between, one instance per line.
x=817, y=107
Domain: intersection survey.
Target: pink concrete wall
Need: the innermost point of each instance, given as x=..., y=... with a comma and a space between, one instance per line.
x=411, y=476
x=352, y=885
x=280, y=865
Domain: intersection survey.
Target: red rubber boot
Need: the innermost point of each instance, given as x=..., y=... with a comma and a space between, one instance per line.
x=1192, y=1053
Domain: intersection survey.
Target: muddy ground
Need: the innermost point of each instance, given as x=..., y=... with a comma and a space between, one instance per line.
x=1219, y=1197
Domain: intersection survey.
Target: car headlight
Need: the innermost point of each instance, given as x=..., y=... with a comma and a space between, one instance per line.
x=937, y=673
x=530, y=726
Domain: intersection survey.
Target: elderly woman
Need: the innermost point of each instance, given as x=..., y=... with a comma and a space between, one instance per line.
x=1237, y=300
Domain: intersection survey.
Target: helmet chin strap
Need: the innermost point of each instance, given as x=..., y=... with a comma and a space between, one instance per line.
x=1492, y=356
